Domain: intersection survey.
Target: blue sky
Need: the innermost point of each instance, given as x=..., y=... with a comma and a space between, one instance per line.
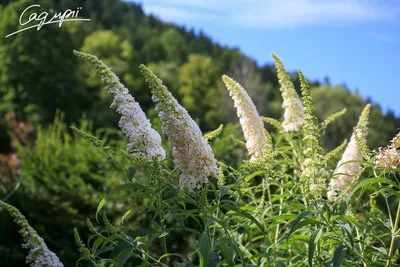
x=353, y=42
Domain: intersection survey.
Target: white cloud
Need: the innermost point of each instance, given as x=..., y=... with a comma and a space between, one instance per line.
x=274, y=14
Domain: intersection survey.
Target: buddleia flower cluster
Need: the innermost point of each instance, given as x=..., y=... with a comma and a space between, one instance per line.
x=39, y=254
x=389, y=157
x=192, y=154
x=292, y=105
x=144, y=141
x=257, y=141
x=349, y=165
x=313, y=166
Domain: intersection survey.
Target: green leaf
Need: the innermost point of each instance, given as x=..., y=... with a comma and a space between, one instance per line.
x=254, y=220
x=279, y=264
x=397, y=245
x=297, y=220
x=282, y=217
x=104, y=249
x=307, y=222
x=140, y=232
x=249, y=177
x=163, y=234
x=96, y=244
x=128, y=187
x=125, y=215
x=124, y=256
x=346, y=230
x=213, y=260
x=345, y=218
x=100, y=206
x=381, y=250
x=166, y=255
x=205, y=250
x=232, y=207
x=339, y=255
x=316, y=234
x=223, y=190
x=227, y=252
x=131, y=173
x=370, y=181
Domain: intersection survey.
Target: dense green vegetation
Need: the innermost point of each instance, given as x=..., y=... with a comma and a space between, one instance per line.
x=59, y=173
x=36, y=81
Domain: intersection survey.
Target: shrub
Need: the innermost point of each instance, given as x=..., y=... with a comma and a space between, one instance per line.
x=285, y=204
x=61, y=176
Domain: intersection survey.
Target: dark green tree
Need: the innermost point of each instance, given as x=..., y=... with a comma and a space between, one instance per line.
x=37, y=69
x=199, y=89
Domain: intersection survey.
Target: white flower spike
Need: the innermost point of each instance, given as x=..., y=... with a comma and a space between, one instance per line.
x=144, y=141
x=39, y=254
x=349, y=166
x=251, y=122
x=292, y=105
x=192, y=154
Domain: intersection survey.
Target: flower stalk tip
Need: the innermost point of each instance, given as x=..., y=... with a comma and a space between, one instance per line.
x=39, y=254
x=192, y=154
x=252, y=125
x=292, y=105
x=349, y=166
x=144, y=141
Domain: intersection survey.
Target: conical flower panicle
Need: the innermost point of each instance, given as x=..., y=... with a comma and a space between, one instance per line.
x=362, y=125
x=144, y=141
x=292, y=105
x=39, y=254
x=349, y=166
x=192, y=154
x=395, y=142
x=389, y=157
x=251, y=122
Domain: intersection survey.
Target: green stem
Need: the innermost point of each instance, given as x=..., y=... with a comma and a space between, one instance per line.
x=269, y=196
x=360, y=245
x=394, y=233
x=13, y=191
x=280, y=213
x=215, y=226
x=386, y=201
x=162, y=218
x=304, y=195
x=114, y=159
x=162, y=228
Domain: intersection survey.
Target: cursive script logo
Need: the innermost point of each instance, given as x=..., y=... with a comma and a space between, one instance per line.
x=42, y=18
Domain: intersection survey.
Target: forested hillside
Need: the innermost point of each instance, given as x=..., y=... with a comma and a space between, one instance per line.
x=34, y=83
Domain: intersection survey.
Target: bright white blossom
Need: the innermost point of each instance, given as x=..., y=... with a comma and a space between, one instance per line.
x=349, y=166
x=389, y=157
x=192, y=154
x=144, y=141
x=292, y=105
x=250, y=120
x=39, y=254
